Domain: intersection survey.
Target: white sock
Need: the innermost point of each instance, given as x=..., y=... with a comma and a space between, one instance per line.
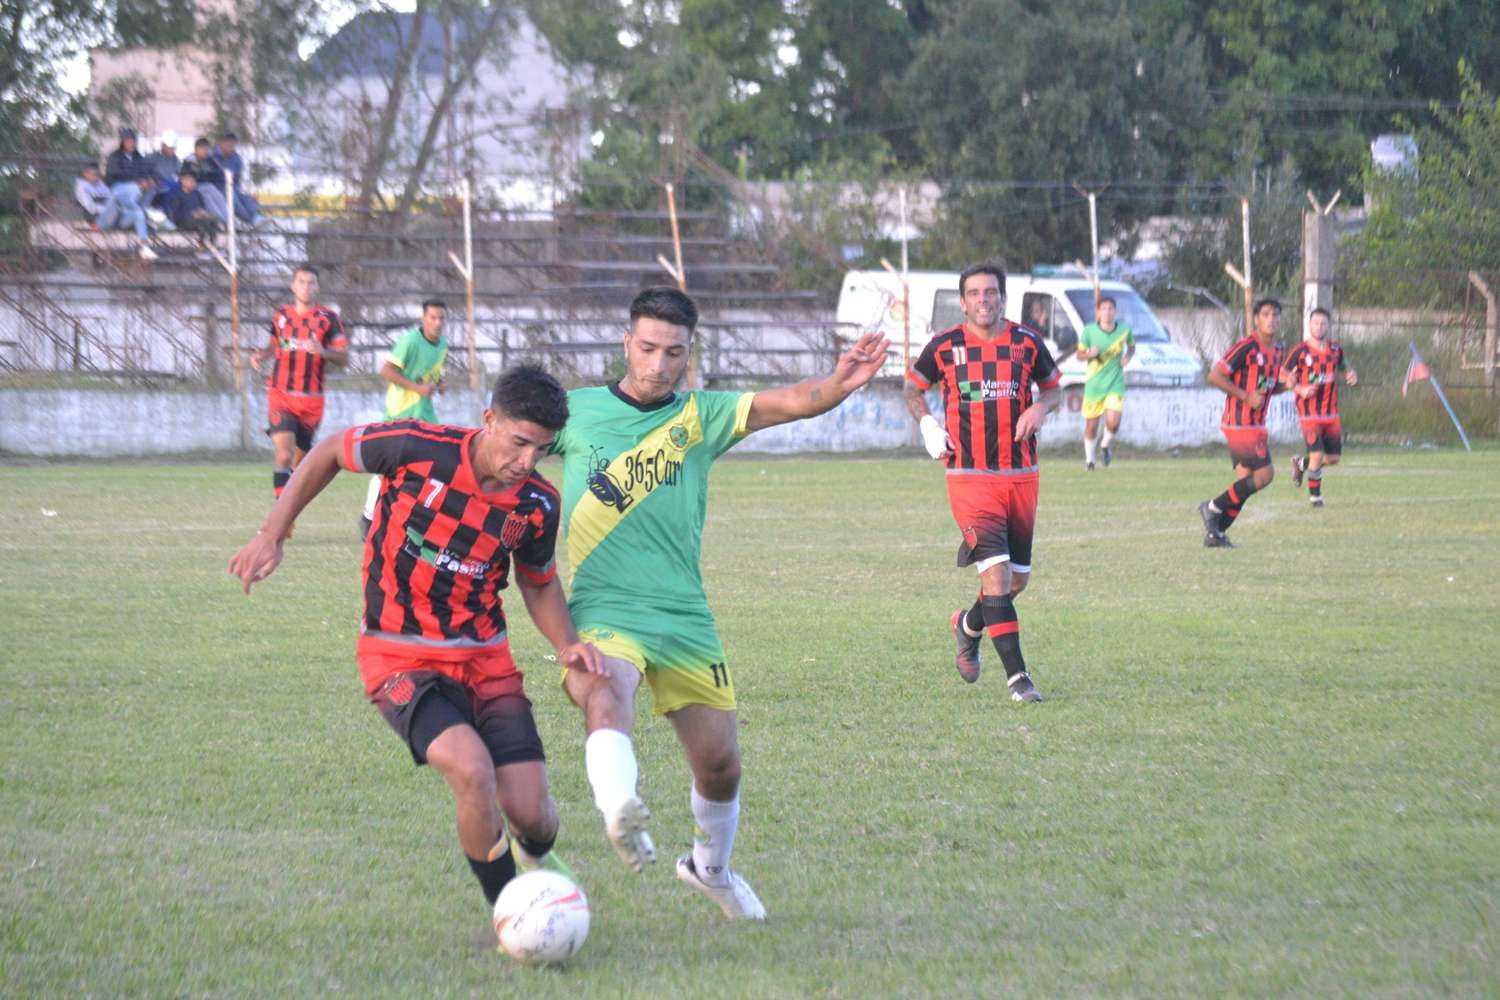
x=1089, y=446
x=1106, y=438
x=371, y=496
x=609, y=761
x=714, y=839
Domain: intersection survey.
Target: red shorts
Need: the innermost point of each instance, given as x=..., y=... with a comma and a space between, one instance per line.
x=996, y=515
x=489, y=673
x=1248, y=446
x=289, y=413
x=1323, y=434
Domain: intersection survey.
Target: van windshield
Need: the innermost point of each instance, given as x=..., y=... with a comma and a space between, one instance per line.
x=1130, y=309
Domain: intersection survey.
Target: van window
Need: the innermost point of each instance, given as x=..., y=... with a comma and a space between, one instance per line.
x=945, y=311
x=1130, y=309
x=1046, y=315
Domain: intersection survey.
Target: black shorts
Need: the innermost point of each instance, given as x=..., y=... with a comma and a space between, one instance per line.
x=1324, y=434
x=287, y=423
x=422, y=704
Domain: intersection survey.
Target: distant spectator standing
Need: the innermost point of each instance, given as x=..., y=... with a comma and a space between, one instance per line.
x=414, y=369
x=227, y=160
x=210, y=179
x=109, y=209
x=187, y=210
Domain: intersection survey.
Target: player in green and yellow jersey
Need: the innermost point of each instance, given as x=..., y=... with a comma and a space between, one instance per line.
x=1108, y=347
x=414, y=369
x=636, y=458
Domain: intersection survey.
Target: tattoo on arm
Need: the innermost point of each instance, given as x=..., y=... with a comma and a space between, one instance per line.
x=916, y=401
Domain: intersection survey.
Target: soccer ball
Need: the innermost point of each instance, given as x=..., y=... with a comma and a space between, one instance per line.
x=541, y=917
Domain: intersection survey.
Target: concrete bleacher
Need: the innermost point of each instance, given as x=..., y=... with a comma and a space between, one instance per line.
x=81, y=237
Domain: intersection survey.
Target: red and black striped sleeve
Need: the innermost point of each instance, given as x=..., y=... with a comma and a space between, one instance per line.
x=1294, y=358
x=926, y=370
x=536, y=556
x=333, y=337
x=379, y=449
x=1238, y=357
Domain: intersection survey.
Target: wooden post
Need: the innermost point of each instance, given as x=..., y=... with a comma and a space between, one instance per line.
x=1319, y=257
x=693, y=380
x=1491, y=330
x=469, y=283
x=233, y=266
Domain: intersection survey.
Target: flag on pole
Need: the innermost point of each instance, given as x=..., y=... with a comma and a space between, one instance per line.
x=1416, y=371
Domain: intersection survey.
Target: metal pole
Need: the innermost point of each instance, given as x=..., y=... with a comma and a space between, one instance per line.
x=681, y=276
x=904, y=259
x=1094, y=239
x=469, y=284
x=237, y=357
x=1249, y=278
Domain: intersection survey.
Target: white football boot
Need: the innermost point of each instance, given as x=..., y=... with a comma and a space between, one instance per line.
x=735, y=897
x=626, y=829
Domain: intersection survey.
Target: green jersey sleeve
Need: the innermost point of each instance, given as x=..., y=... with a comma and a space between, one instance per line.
x=725, y=417
x=401, y=350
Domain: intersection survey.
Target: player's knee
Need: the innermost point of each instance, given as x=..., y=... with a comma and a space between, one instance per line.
x=718, y=773
x=1330, y=460
x=1264, y=475
x=535, y=821
x=472, y=776
x=1018, y=581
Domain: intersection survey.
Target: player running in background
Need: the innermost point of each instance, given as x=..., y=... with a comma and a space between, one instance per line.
x=1311, y=372
x=414, y=369
x=1108, y=348
x=636, y=459
x=1249, y=375
x=304, y=338
x=987, y=443
x=462, y=506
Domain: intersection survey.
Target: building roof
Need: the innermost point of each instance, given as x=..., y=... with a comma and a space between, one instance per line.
x=370, y=43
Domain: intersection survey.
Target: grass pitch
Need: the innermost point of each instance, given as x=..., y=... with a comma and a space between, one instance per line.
x=1262, y=771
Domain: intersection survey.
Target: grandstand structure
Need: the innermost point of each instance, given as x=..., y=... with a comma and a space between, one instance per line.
x=549, y=285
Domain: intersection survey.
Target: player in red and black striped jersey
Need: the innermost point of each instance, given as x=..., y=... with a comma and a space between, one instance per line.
x=1311, y=372
x=305, y=337
x=1248, y=375
x=457, y=508
x=987, y=442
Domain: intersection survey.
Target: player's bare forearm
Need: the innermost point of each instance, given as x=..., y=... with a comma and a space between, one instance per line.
x=548, y=608
x=339, y=358
x=1051, y=400
x=1220, y=381
x=393, y=375
x=915, y=399
x=854, y=369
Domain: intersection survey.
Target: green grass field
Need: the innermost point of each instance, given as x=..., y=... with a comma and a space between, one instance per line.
x=1263, y=771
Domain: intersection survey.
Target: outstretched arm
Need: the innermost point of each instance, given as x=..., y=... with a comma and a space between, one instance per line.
x=855, y=368
x=549, y=610
x=262, y=554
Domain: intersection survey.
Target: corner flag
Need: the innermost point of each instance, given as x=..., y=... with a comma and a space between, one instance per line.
x=1415, y=371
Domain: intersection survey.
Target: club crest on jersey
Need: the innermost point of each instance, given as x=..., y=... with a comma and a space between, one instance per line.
x=678, y=435
x=513, y=531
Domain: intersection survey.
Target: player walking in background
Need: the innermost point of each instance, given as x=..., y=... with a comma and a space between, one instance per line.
x=414, y=369
x=1248, y=376
x=463, y=505
x=304, y=338
x=987, y=443
x=1311, y=372
x=1102, y=344
x=636, y=459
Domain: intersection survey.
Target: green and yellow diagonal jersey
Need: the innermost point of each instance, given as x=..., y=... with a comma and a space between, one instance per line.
x=421, y=361
x=635, y=492
x=1106, y=374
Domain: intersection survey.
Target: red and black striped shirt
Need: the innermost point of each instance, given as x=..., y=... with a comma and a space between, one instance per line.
x=440, y=548
x=297, y=370
x=986, y=387
x=1316, y=365
x=1250, y=365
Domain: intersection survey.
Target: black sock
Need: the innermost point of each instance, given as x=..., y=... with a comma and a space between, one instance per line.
x=974, y=617
x=493, y=875
x=1005, y=632
x=279, y=479
x=1315, y=483
x=1233, y=499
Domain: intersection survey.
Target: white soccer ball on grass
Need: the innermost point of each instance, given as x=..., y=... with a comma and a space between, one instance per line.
x=542, y=918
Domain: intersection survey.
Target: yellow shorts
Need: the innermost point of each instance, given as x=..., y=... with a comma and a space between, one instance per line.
x=685, y=667
x=1093, y=409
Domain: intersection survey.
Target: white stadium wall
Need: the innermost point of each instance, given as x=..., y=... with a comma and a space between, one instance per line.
x=88, y=423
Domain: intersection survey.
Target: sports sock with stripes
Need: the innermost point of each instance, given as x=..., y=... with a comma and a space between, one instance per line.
x=1229, y=502
x=496, y=870
x=1004, y=631
x=279, y=477
x=1315, y=482
x=973, y=619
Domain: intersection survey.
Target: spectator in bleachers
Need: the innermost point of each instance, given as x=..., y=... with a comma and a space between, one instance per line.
x=210, y=179
x=225, y=157
x=126, y=163
x=187, y=209
x=110, y=208
x=165, y=163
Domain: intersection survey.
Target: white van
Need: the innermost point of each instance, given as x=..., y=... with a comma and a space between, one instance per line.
x=1057, y=302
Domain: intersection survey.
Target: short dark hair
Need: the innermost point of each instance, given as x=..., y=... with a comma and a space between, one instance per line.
x=668, y=304
x=1263, y=303
x=188, y=170
x=527, y=392
x=201, y=141
x=431, y=303
x=1321, y=311
x=307, y=268
x=228, y=135
x=1110, y=299
x=985, y=267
